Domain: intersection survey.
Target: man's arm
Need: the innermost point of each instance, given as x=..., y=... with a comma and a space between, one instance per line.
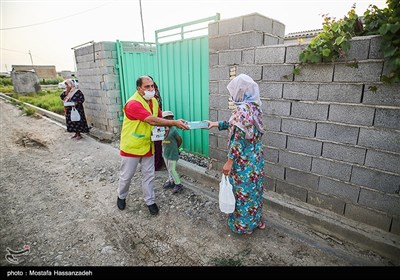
x=164, y=122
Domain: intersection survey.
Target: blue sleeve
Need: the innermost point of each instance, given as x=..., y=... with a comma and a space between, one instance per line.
x=223, y=125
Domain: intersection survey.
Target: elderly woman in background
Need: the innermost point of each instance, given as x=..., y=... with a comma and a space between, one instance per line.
x=73, y=94
x=245, y=163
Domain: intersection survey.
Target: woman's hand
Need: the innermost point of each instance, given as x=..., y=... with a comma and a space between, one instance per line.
x=227, y=168
x=211, y=124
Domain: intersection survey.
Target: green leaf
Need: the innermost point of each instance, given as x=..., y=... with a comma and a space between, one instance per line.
x=339, y=40
x=326, y=52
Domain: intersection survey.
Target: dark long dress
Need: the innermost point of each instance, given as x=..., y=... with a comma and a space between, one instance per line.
x=158, y=159
x=80, y=126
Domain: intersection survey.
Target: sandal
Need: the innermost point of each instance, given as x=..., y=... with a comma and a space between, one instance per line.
x=249, y=232
x=262, y=225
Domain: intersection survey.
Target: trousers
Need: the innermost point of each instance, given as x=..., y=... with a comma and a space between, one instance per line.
x=128, y=170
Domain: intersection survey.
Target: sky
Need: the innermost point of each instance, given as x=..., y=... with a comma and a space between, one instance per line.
x=43, y=32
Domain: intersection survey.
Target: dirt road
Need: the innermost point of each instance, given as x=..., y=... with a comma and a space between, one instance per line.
x=58, y=196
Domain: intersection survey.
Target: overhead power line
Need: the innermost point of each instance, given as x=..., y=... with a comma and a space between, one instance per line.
x=52, y=20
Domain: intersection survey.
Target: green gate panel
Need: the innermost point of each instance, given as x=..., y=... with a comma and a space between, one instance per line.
x=135, y=59
x=180, y=69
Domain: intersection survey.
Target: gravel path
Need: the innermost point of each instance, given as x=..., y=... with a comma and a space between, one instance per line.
x=58, y=196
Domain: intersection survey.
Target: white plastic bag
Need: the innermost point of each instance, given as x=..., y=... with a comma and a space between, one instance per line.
x=75, y=117
x=227, y=201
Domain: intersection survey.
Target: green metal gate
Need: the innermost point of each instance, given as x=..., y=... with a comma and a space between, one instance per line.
x=134, y=59
x=178, y=62
x=182, y=52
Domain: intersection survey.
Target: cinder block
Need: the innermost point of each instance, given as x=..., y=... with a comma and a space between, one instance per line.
x=276, y=140
x=384, y=161
x=359, y=49
x=298, y=127
x=375, y=49
x=269, y=184
x=248, y=56
x=271, y=90
x=384, y=94
x=337, y=133
x=270, y=40
x=380, y=201
x=218, y=43
x=254, y=71
x=327, y=202
x=374, y=179
x=315, y=73
x=213, y=59
x=295, y=160
x=270, y=54
x=387, y=118
x=368, y=216
x=303, y=179
x=344, y=93
x=344, y=191
x=272, y=123
x=218, y=101
x=303, y=145
x=298, y=91
x=351, y=114
x=312, y=111
x=331, y=169
x=278, y=72
x=274, y=171
x=380, y=139
x=257, y=22
x=213, y=29
x=230, y=57
x=219, y=73
x=229, y=26
x=271, y=154
x=291, y=190
x=246, y=39
x=369, y=71
x=278, y=28
x=293, y=52
x=275, y=107
x=344, y=153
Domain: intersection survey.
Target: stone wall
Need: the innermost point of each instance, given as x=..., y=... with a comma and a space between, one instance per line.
x=99, y=82
x=42, y=71
x=25, y=81
x=331, y=140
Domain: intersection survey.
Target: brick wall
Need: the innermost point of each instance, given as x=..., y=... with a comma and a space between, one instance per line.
x=99, y=82
x=330, y=140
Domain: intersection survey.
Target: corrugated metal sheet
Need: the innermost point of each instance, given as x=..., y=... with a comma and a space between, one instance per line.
x=178, y=62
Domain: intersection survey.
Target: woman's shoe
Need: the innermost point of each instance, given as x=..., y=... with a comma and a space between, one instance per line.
x=249, y=232
x=262, y=225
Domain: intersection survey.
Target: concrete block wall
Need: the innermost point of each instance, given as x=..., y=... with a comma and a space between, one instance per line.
x=99, y=82
x=331, y=139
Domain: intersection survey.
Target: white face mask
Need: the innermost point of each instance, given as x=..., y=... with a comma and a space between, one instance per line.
x=148, y=94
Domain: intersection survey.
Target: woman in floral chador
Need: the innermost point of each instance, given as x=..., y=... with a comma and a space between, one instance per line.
x=245, y=163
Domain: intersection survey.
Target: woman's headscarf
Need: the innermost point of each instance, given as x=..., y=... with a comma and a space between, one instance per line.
x=247, y=114
x=72, y=91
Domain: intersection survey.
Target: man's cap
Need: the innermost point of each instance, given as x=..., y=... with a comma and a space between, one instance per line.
x=167, y=114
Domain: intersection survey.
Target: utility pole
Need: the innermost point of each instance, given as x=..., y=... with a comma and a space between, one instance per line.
x=31, y=57
x=141, y=18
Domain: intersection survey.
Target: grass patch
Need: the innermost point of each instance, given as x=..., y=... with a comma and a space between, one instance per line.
x=47, y=99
